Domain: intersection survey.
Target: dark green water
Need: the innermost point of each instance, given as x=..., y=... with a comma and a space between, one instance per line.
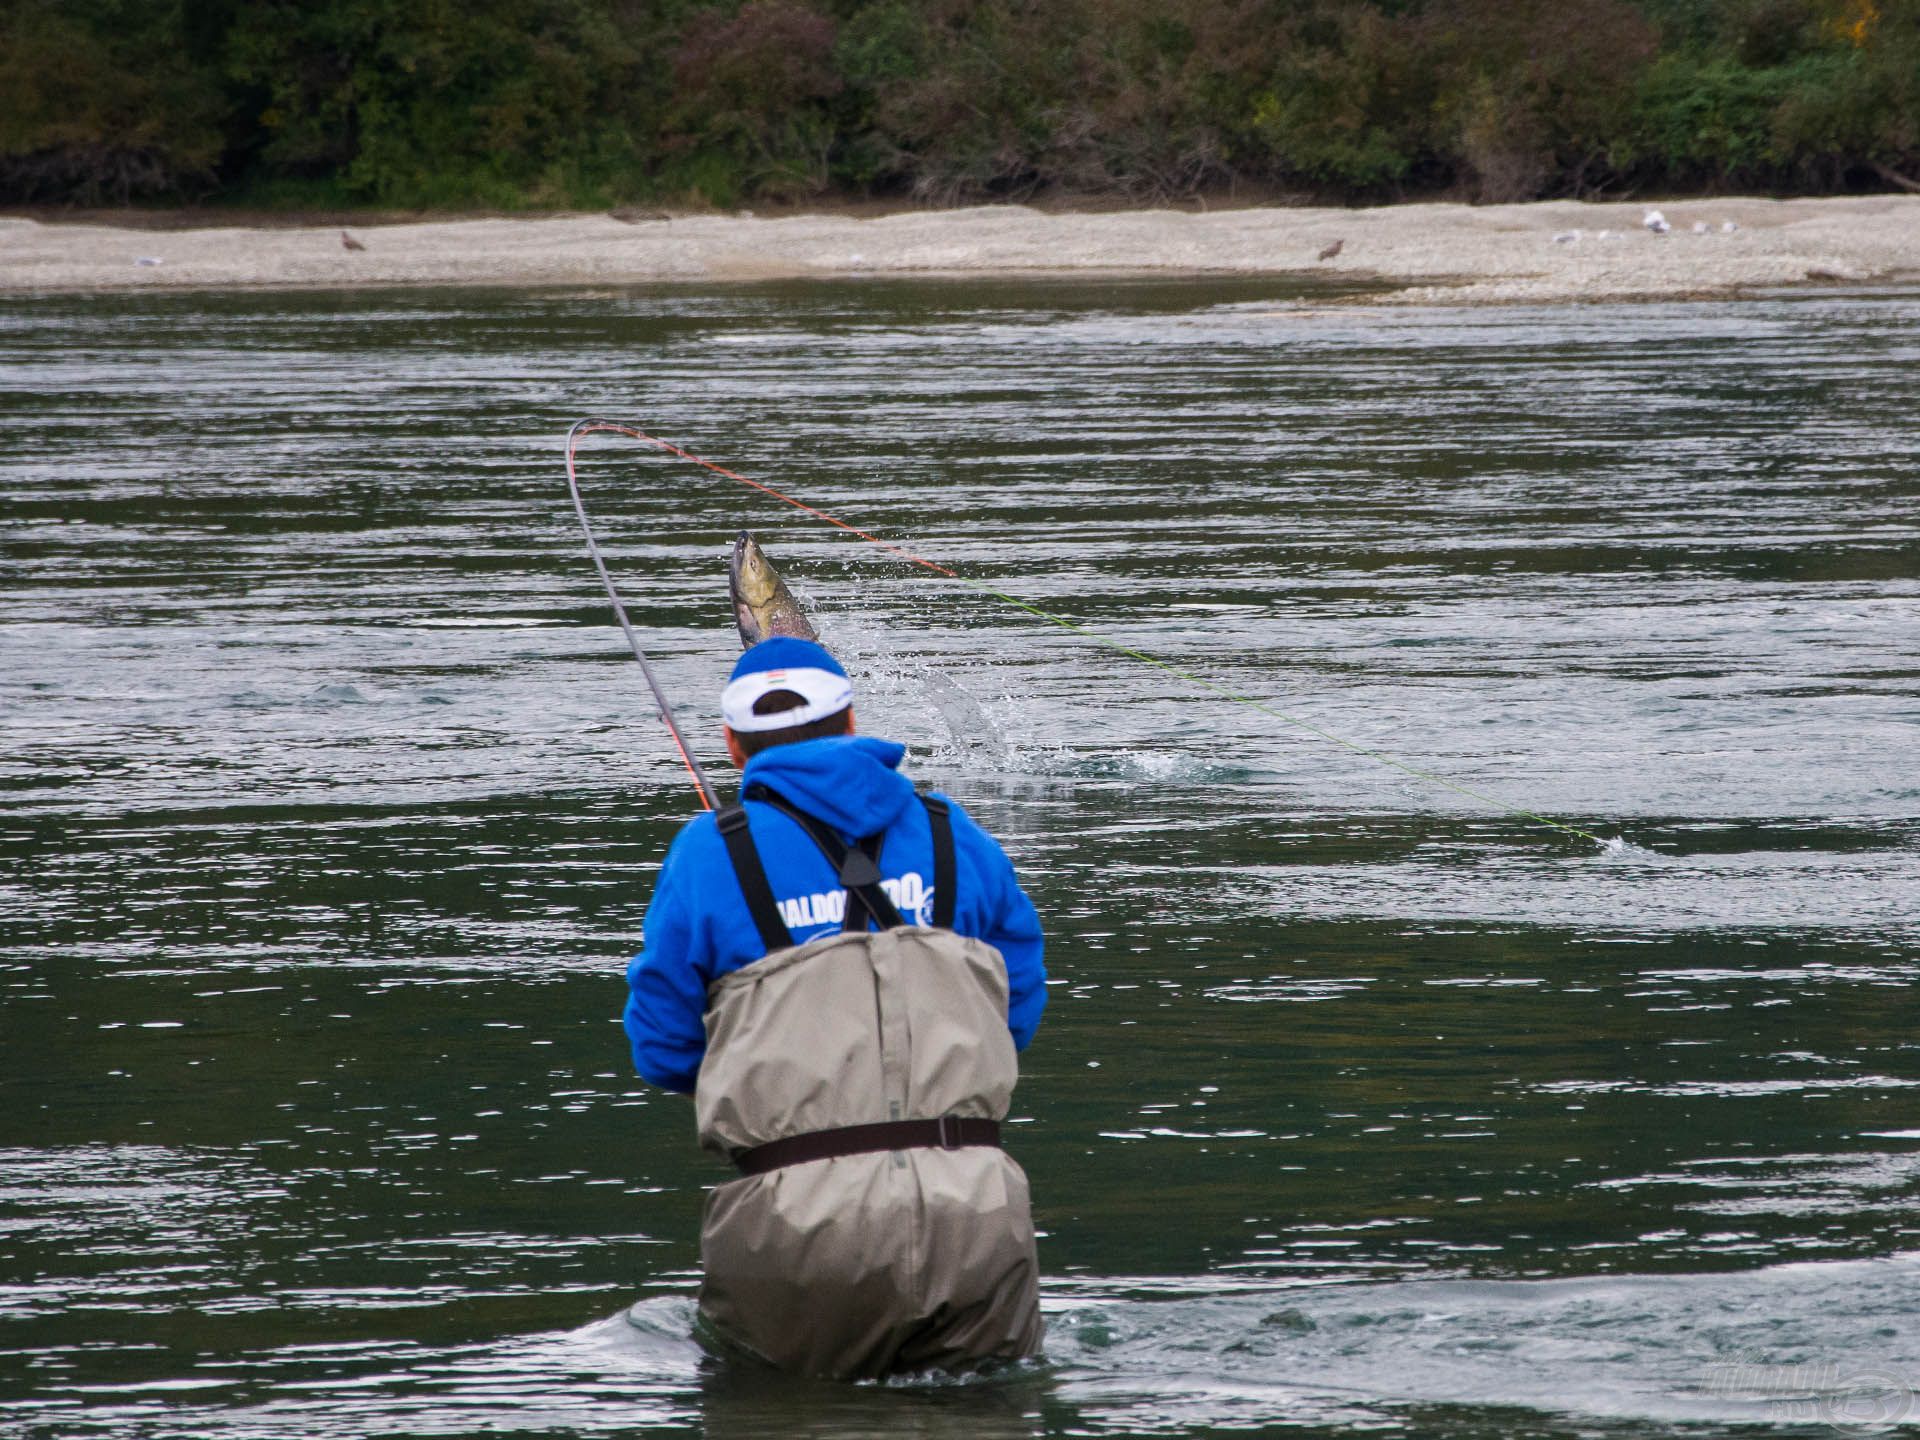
x=330, y=804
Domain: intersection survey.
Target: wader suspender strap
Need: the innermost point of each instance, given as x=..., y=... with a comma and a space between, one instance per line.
x=944, y=887
x=752, y=876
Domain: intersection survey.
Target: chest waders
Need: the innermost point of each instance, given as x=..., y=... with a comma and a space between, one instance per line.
x=859, y=1081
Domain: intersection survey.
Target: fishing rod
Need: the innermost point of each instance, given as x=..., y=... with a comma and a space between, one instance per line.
x=709, y=798
x=589, y=427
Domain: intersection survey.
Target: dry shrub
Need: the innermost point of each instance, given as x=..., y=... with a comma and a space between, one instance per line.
x=771, y=56
x=1011, y=98
x=750, y=92
x=1533, y=92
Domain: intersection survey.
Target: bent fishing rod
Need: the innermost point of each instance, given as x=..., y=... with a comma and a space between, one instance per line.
x=707, y=798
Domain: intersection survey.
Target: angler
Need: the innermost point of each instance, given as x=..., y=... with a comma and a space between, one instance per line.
x=841, y=971
x=811, y=1060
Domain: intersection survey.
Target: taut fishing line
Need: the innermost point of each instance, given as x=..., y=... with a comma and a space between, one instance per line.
x=709, y=798
x=589, y=427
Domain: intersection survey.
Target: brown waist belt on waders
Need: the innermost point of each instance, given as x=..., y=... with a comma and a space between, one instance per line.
x=859, y=869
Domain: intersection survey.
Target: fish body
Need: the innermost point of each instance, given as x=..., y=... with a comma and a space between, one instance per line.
x=763, y=606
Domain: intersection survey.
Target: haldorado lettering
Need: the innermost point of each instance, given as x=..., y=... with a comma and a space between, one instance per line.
x=910, y=893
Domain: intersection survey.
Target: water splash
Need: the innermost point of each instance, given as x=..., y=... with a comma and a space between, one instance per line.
x=1620, y=848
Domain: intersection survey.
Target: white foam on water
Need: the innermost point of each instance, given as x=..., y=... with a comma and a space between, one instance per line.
x=1620, y=848
x=1807, y=1343
x=1810, y=1342
x=1808, y=1347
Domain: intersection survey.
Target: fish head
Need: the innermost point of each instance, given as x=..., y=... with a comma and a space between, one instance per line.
x=763, y=606
x=750, y=575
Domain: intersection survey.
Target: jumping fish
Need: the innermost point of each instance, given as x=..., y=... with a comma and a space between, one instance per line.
x=762, y=604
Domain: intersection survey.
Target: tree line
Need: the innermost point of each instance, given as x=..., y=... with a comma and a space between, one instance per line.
x=512, y=104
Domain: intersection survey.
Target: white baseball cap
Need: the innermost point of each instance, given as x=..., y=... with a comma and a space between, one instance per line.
x=784, y=663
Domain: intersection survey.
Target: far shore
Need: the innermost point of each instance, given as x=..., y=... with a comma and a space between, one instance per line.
x=1541, y=253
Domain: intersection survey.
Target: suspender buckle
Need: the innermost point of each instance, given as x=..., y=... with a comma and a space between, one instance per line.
x=859, y=869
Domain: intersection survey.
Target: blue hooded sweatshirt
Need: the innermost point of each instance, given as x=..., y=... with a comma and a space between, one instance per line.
x=698, y=927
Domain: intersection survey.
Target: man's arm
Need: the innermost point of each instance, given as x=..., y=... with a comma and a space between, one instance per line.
x=1010, y=924
x=1017, y=938
x=667, y=984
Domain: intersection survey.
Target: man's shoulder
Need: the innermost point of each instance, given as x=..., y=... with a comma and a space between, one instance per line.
x=969, y=833
x=697, y=843
x=961, y=815
x=700, y=844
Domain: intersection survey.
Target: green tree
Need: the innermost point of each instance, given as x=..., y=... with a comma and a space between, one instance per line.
x=101, y=102
x=442, y=101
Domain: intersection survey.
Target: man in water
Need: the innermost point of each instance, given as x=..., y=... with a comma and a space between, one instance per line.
x=840, y=970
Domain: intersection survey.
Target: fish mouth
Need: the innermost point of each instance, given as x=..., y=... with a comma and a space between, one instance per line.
x=743, y=616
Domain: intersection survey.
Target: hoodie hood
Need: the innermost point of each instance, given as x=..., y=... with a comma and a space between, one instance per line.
x=853, y=782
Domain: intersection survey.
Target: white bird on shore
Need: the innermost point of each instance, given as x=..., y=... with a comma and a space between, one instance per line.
x=1699, y=227
x=1566, y=237
x=1656, y=222
x=1728, y=227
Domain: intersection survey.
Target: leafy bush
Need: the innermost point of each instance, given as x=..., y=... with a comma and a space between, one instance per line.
x=431, y=101
x=1350, y=104
x=1506, y=100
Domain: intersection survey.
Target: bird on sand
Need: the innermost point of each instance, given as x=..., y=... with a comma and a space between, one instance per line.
x=347, y=242
x=1656, y=222
x=1332, y=250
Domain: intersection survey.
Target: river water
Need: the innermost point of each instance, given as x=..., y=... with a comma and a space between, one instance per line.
x=330, y=804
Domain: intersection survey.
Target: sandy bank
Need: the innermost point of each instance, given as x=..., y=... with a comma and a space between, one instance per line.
x=1557, y=251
